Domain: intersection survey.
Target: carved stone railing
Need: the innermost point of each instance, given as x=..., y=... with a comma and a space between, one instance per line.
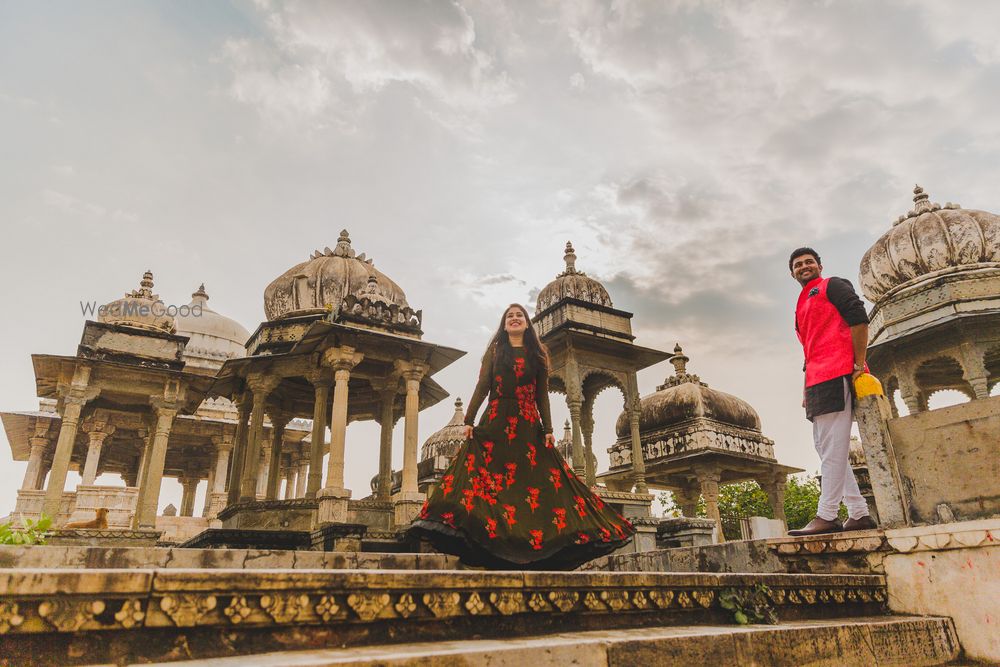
x=700, y=435
x=29, y=506
x=119, y=501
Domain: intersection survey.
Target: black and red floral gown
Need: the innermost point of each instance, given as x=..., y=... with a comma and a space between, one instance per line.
x=507, y=501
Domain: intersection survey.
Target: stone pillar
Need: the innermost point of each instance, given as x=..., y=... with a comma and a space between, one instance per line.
x=32, y=473
x=687, y=500
x=278, y=422
x=406, y=503
x=974, y=370
x=300, y=480
x=190, y=488
x=708, y=480
x=333, y=496
x=210, y=483
x=291, y=479
x=587, y=427
x=73, y=401
x=321, y=382
x=638, y=456
x=98, y=432
x=774, y=486
x=243, y=405
x=146, y=438
x=217, y=492
x=265, y=469
x=165, y=412
x=260, y=387
x=387, y=421
x=574, y=400
x=910, y=392
x=891, y=501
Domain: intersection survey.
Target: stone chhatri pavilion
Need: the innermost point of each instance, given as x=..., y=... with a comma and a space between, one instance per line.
x=695, y=438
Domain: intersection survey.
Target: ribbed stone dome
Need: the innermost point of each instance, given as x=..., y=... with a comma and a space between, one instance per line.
x=140, y=309
x=325, y=280
x=214, y=338
x=683, y=396
x=446, y=441
x=929, y=239
x=572, y=284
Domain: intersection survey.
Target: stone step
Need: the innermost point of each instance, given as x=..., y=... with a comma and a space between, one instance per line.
x=82, y=616
x=860, y=642
x=176, y=557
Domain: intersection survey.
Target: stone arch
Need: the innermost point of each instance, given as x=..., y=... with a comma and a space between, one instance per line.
x=991, y=360
x=940, y=373
x=891, y=390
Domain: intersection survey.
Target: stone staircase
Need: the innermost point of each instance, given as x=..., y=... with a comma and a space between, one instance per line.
x=284, y=616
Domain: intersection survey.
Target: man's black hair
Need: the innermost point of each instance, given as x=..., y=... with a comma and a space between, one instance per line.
x=798, y=252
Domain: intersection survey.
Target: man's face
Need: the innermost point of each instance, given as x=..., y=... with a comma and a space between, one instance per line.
x=805, y=268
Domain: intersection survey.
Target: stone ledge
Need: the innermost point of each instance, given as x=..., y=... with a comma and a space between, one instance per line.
x=831, y=543
x=959, y=535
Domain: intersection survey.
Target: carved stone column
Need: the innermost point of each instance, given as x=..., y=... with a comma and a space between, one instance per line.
x=387, y=421
x=73, y=400
x=574, y=400
x=165, y=412
x=634, y=408
x=321, y=381
x=146, y=442
x=210, y=482
x=265, y=469
x=260, y=387
x=300, y=482
x=709, y=478
x=587, y=427
x=39, y=444
x=98, y=432
x=189, y=486
x=774, y=486
x=910, y=392
x=333, y=497
x=217, y=492
x=244, y=404
x=687, y=500
x=278, y=422
x=406, y=503
x=291, y=479
x=974, y=370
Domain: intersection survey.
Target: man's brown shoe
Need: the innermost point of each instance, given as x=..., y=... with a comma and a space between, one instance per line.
x=817, y=526
x=864, y=523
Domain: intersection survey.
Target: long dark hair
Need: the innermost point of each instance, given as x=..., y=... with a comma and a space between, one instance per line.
x=503, y=354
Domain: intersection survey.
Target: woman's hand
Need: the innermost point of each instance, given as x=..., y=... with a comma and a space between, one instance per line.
x=468, y=432
x=550, y=440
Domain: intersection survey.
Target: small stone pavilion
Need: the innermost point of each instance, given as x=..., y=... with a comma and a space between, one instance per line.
x=695, y=438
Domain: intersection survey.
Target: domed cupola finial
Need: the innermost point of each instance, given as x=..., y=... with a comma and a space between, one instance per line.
x=344, y=248
x=921, y=200
x=200, y=295
x=145, y=286
x=680, y=376
x=570, y=258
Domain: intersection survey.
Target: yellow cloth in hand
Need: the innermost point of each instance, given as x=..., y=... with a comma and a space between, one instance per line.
x=867, y=385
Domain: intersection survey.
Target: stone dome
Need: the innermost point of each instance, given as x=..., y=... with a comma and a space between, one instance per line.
x=325, y=280
x=572, y=284
x=214, y=338
x=929, y=239
x=683, y=396
x=446, y=441
x=139, y=308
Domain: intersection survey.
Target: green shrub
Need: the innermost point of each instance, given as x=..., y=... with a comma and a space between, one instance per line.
x=34, y=532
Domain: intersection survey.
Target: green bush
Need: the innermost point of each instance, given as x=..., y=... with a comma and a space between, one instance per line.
x=34, y=532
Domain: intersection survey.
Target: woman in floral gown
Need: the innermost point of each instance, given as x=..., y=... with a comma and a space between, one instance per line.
x=509, y=500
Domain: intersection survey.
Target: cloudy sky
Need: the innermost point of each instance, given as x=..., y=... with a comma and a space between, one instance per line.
x=684, y=147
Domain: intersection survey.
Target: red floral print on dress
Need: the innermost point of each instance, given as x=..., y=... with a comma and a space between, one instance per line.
x=531, y=455
x=581, y=505
x=494, y=408
x=470, y=462
x=423, y=510
x=509, y=512
x=582, y=538
x=488, y=455
x=536, y=540
x=559, y=520
x=598, y=502
x=491, y=528
x=526, y=405
x=511, y=472
x=555, y=475
x=618, y=531
x=511, y=429
x=468, y=500
x=499, y=381
x=447, y=483
x=533, y=498
x=449, y=519
x=487, y=486
x=605, y=535
x=519, y=367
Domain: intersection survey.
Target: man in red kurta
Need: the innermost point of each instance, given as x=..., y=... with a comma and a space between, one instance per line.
x=832, y=325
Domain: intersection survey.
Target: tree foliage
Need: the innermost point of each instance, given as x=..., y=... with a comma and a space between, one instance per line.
x=32, y=533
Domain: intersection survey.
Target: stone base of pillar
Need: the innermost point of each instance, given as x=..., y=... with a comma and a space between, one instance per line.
x=332, y=505
x=217, y=503
x=406, y=507
x=338, y=537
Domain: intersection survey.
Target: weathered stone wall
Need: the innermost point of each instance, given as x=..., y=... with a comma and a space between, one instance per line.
x=951, y=456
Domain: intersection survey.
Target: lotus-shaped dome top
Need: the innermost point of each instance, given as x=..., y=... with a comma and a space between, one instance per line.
x=683, y=396
x=140, y=309
x=213, y=337
x=325, y=279
x=572, y=284
x=929, y=239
